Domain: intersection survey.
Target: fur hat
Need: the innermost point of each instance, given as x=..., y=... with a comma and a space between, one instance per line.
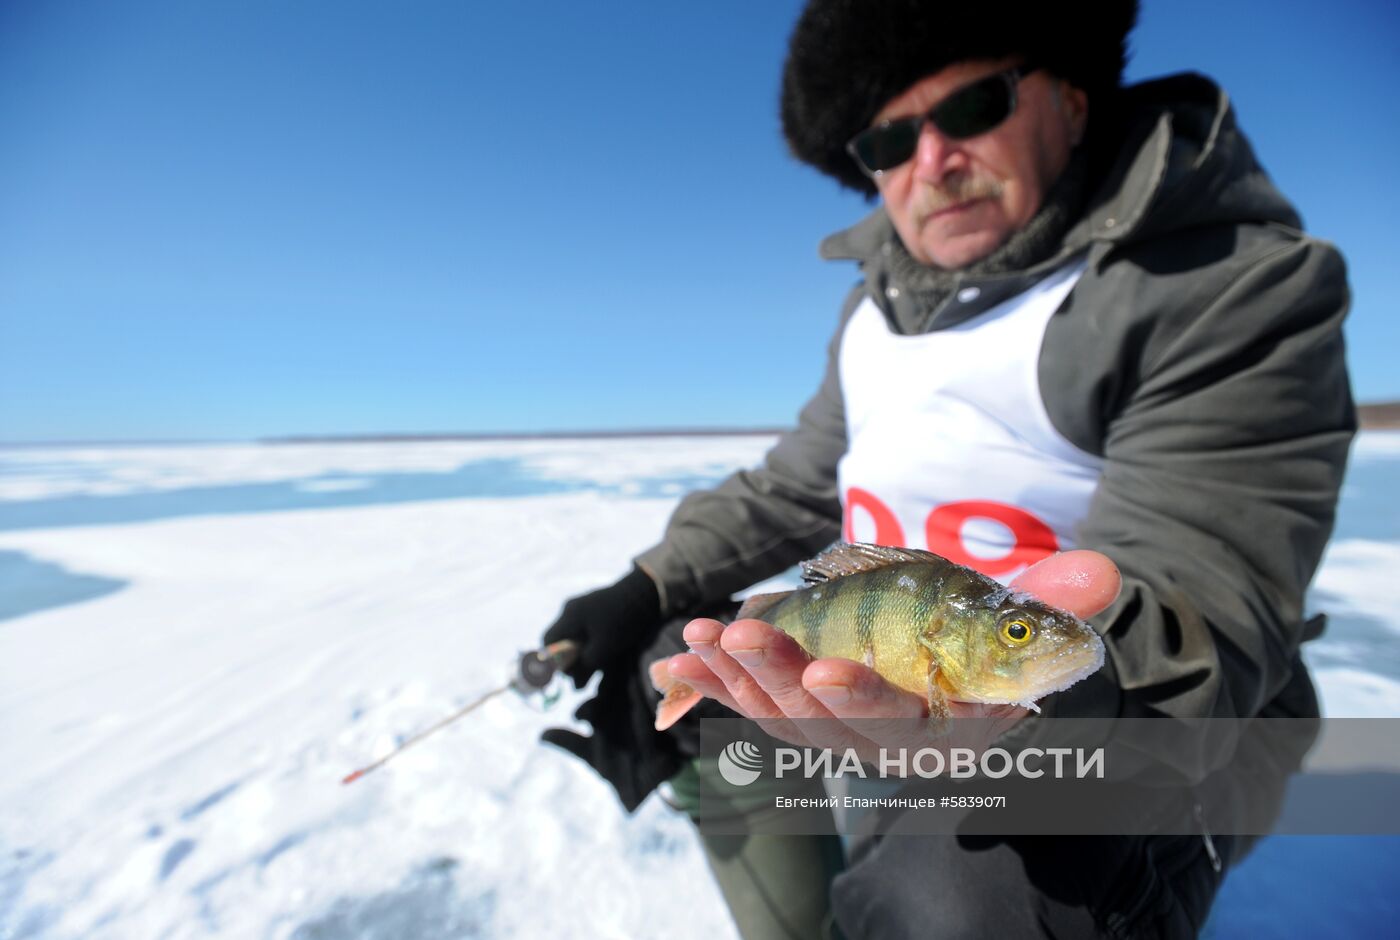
x=848, y=58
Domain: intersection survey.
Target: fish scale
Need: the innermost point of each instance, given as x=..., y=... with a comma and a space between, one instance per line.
x=864, y=617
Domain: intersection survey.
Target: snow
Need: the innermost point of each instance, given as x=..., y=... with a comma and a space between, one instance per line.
x=47, y=473
x=174, y=748
x=1376, y=445
x=174, y=731
x=1356, y=693
x=1359, y=575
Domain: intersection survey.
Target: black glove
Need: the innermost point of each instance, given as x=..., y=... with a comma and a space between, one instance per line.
x=613, y=627
x=625, y=749
x=608, y=624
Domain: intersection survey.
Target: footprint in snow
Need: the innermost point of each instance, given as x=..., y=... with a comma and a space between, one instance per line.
x=202, y=805
x=174, y=855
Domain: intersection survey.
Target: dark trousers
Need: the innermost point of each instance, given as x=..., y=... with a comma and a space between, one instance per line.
x=1033, y=886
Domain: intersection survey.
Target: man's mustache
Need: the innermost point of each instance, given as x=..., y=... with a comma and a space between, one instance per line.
x=931, y=198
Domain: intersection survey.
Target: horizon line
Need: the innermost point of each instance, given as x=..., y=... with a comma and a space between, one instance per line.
x=1371, y=416
x=410, y=436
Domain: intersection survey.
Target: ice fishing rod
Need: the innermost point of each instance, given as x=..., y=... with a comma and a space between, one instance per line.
x=533, y=672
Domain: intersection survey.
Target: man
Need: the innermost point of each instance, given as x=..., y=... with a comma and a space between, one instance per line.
x=1087, y=320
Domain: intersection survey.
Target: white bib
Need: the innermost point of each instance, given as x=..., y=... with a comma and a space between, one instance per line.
x=951, y=448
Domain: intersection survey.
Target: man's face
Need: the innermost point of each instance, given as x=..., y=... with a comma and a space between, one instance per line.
x=957, y=201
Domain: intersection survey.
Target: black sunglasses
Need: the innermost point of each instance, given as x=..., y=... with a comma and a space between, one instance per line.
x=971, y=110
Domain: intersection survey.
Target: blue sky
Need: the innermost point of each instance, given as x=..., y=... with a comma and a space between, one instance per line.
x=238, y=219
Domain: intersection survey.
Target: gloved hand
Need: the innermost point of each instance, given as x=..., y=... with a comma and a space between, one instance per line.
x=625, y=748
x=607, y=624
x=612, y=626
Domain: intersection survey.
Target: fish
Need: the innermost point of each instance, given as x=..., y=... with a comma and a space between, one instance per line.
x=924, y=623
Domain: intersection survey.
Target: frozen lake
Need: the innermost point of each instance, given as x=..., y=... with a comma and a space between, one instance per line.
x=198, y=642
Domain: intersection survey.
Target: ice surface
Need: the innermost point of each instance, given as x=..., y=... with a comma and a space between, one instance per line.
x=181, y=699
x=173, y=748
x=46, y=473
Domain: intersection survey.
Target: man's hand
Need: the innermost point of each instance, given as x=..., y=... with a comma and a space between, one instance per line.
x=608, y=624
x=611, y=627
x=764, y=675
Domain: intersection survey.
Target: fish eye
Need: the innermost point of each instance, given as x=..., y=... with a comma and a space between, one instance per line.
x=1016, y=633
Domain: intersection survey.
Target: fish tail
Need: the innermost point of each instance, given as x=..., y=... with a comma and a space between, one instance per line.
x=677, y=697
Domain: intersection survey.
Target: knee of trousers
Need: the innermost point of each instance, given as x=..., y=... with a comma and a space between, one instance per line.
x=909, y=886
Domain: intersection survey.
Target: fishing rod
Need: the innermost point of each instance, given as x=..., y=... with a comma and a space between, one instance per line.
x=533, y=672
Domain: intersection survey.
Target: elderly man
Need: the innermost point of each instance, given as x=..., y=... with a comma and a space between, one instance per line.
x=1086, y=320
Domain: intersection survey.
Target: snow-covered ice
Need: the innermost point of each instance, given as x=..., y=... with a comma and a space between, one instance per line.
x=203, y=640
x=174, y=748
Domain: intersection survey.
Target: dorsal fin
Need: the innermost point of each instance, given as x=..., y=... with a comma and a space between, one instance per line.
x=847, y=558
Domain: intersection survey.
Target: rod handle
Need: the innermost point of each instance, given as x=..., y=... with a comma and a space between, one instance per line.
x=537, y=667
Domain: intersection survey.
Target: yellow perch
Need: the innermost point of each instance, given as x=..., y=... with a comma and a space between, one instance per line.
x=925, y=624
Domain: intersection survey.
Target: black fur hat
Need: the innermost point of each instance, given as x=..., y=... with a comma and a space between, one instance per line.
x=847, y=58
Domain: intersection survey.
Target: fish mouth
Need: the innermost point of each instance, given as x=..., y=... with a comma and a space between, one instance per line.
x=1056, y=673
x=1037, y=678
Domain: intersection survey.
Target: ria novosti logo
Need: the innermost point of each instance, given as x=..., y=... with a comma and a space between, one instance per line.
x=741, y=763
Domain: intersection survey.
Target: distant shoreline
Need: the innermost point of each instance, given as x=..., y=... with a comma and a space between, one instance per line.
x=409, y=438
x=1375, y=416
x=1379, y=416
x=522, y=435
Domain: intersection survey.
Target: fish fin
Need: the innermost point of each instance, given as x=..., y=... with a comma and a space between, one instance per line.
x=677, y=697
x=756, y=605
x=847, y=558
x=939, y=715
x=932, y=628
x=661, y=678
